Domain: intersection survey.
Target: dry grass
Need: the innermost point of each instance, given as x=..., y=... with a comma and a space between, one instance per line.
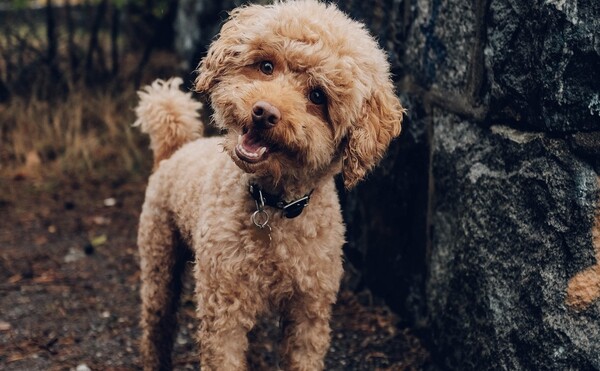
x=67, y=111
x=86, y=134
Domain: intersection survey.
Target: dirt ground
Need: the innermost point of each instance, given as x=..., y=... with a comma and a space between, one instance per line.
x=69, y=283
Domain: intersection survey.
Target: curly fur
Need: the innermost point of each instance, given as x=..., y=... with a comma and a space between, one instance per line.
x=197, y=201
x=169, y=116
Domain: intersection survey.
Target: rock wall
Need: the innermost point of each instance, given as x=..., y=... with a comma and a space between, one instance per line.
x=512, y=226
x=508, y=92
x=482, y=225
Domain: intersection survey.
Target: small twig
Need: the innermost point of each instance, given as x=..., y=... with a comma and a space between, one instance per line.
x=47, y=346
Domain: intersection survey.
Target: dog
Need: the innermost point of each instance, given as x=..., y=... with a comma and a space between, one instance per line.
x=303, y=93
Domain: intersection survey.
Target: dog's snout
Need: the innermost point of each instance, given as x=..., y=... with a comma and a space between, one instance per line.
x=265, y=114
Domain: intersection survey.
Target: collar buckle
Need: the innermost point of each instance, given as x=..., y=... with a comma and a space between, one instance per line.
x=290, y=209
x=294, y=208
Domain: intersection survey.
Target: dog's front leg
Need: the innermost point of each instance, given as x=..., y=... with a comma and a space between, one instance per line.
x=306, y=334
x=227, y=312
x=224, y=348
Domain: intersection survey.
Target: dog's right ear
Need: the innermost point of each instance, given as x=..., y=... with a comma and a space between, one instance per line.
x=379, y=123
x=226, y=48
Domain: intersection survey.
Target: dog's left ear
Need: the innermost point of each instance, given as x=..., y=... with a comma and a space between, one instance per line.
x=379, y=122
x=226, y=48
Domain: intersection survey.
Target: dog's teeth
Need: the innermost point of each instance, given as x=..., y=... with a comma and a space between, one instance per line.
x=261, y=151
x=246, y=153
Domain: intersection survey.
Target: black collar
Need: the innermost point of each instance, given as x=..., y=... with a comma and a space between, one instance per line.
x=290, y=209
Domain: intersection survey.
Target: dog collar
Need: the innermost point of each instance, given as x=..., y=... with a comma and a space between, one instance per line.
x=290, y=209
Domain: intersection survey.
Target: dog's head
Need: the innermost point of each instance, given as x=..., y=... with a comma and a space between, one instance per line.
x=302, y=90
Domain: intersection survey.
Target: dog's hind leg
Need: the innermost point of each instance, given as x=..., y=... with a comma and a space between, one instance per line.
x=163, y=257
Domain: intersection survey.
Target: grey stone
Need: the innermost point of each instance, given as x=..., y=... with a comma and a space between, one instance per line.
x=433, y=56
x=543, y=63
x=512, y=222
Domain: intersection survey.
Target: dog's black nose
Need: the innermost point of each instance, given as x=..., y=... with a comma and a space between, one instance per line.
x=265, y=115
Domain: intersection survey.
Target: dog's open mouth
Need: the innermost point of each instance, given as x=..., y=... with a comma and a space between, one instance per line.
x=251, y=147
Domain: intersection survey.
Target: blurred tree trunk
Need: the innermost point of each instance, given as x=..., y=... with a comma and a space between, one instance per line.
x=197, y=22
x=161, y=38
x=72, y=48
x=114, y=39
x=4, y=92
x=93, y=45
x=52, y=43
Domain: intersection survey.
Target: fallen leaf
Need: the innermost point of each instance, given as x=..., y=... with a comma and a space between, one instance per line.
x=99, y=240
x=14, y=279
x=15, y=358
x=73, y=255
x=100, y=220
x=44, y=278
x=32, y=166
x=40, y=240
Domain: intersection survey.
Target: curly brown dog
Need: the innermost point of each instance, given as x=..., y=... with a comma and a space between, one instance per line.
x=304, y=93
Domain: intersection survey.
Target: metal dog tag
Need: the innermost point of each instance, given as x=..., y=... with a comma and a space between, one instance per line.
x=260, y=218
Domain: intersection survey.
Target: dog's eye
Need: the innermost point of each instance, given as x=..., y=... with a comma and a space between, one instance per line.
x=317, y=96
x=267, y=67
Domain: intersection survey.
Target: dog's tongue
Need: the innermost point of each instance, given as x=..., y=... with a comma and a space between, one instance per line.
x=250, y=149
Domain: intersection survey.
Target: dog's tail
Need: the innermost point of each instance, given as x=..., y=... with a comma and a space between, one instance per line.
x=169, y=116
